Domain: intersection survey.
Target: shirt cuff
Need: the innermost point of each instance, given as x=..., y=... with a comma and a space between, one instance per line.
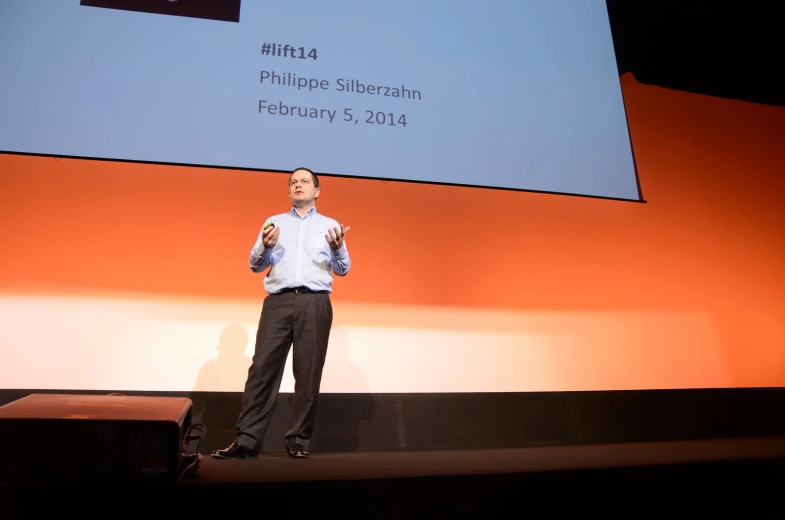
x=339, y=254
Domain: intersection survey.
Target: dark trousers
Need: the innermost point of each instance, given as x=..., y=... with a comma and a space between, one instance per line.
x=304, y=321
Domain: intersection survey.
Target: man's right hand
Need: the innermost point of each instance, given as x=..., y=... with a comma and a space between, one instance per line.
x=270, y=236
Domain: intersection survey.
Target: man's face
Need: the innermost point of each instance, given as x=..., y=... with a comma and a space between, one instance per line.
x=301, y=189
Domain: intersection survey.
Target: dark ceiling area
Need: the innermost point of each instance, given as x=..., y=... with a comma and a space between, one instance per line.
x=727, y=49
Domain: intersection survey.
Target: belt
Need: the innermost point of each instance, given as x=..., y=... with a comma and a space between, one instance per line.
x=300, y=290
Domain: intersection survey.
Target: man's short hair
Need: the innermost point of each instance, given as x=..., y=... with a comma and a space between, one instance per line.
x=313, y=175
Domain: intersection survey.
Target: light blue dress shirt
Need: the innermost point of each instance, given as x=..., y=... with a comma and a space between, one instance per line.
x=302, y=256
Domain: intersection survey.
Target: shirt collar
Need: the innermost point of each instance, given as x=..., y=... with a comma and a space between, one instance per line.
x=311, y=212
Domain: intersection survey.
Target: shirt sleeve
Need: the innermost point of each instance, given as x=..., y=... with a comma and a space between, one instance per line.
x=340, y=261
x=259, y=260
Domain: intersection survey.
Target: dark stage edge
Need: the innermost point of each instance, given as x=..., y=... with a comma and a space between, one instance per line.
x=348, y=423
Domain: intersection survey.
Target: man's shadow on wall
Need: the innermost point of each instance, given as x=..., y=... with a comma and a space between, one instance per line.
x=215, y=399
x=217, y=396
x=345, y=402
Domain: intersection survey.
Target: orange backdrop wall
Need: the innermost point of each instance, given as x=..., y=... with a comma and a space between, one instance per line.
x=686, y=290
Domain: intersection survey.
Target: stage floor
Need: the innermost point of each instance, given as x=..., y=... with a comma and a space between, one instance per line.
x=413, y=464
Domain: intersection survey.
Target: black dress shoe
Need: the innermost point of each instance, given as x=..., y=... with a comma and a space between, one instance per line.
x=297, y=451
x=235, y=451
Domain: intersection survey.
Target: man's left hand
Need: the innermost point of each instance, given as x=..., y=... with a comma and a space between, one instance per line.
x=335, y=237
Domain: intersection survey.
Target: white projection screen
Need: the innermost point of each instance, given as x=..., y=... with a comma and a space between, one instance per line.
x=521, y=95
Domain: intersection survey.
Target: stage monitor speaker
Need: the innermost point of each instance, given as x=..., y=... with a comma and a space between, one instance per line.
x=68, y=438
